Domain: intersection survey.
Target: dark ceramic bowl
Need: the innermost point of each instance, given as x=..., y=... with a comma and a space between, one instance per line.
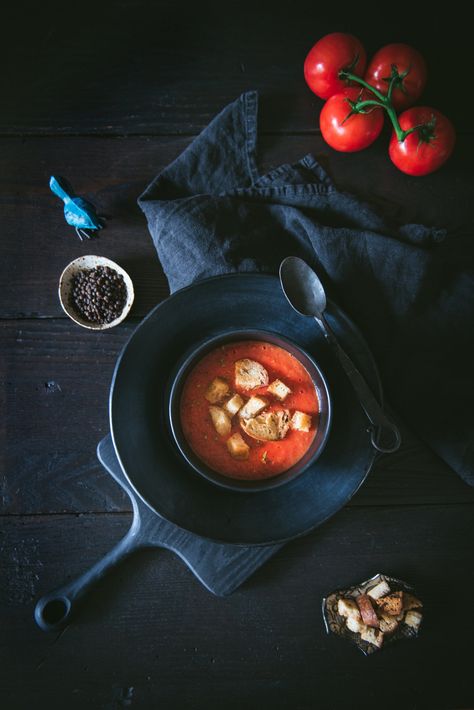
x=324, y=422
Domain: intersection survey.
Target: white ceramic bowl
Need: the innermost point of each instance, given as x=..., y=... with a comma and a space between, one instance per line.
x=65, y=286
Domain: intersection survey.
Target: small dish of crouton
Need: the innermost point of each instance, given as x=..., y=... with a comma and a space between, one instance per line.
x=375, y=613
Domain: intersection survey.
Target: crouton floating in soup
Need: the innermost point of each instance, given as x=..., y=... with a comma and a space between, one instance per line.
x=234, y=405
x=237, y=447
x=217, y=390
x=250, y=374
x=300, y=421
x=221, y=420
x=279, y=390
x=269, y=426
x=252, y=407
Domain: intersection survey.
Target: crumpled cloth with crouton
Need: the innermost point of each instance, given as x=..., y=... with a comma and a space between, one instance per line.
x=211, y=212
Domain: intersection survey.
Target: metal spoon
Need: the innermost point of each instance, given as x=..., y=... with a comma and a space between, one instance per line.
x=305, y=293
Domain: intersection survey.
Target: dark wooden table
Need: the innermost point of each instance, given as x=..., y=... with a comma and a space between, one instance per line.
x=108, y=94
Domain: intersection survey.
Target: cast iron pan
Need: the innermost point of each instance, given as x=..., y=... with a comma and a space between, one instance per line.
x=149, y=457
x=220, y=568
x=138, y=409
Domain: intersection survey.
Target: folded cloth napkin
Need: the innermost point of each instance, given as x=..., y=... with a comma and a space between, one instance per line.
x=407, y=286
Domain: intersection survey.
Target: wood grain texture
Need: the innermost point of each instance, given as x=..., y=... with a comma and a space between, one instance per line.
x=153, y=632
x=37, y=244
x=56, y=384
x=162, y=67
x=75, y=81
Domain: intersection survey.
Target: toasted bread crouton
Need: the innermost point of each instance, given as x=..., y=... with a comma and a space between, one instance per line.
x=252, y=407
x=220, y=419
x=413, y=619
x=367, y=611
x=217, y=390
x=233, y=405
x=250, y=374
x=348, y=607
x=237, y=447
x=269, y=426
x=279, y=390
x=391, y=604
x=355, y=625
x=411, y=602
x=300, y=421
x=380, y=590
x=373, y=636
x=388, y=624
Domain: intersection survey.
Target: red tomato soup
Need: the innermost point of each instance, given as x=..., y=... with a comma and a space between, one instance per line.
x=257, y=459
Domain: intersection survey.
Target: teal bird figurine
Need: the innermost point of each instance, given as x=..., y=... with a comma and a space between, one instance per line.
x=78, y=213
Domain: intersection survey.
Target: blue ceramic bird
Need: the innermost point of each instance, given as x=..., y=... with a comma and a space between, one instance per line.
x=79, y=213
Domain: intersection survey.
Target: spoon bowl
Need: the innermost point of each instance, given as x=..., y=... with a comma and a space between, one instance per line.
x=302, y=287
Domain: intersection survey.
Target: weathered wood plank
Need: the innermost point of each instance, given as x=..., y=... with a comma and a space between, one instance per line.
x=152, y=634
x=36, y=243
x=56, y=382
x=156, y=67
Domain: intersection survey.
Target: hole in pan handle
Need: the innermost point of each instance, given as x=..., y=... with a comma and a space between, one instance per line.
x=55, y=610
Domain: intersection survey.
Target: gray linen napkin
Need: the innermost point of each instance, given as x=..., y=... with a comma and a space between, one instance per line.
x=408, y=287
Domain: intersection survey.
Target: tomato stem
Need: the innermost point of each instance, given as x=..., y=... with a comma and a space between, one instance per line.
x=384, y=102
x=348, y=76
x=392, y=114
x=360, y=105
x=391, y=85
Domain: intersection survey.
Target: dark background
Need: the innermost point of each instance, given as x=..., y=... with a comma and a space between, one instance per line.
x=107, y=94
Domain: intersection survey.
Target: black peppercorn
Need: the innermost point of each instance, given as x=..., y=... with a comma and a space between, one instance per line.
x=98, y=295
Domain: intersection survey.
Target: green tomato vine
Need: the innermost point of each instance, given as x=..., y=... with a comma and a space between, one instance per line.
x=425, y=130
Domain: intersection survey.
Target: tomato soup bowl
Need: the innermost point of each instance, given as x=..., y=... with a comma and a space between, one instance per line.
x=177, y=385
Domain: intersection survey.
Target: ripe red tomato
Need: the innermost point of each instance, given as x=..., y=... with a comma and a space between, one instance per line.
x=326, y=59
x=345, y=132
x=405, y=58
x=426, y=149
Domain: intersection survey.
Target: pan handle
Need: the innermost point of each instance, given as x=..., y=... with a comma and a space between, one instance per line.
x=54, y=610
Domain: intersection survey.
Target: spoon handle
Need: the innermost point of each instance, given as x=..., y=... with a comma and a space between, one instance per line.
x=386, y=429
